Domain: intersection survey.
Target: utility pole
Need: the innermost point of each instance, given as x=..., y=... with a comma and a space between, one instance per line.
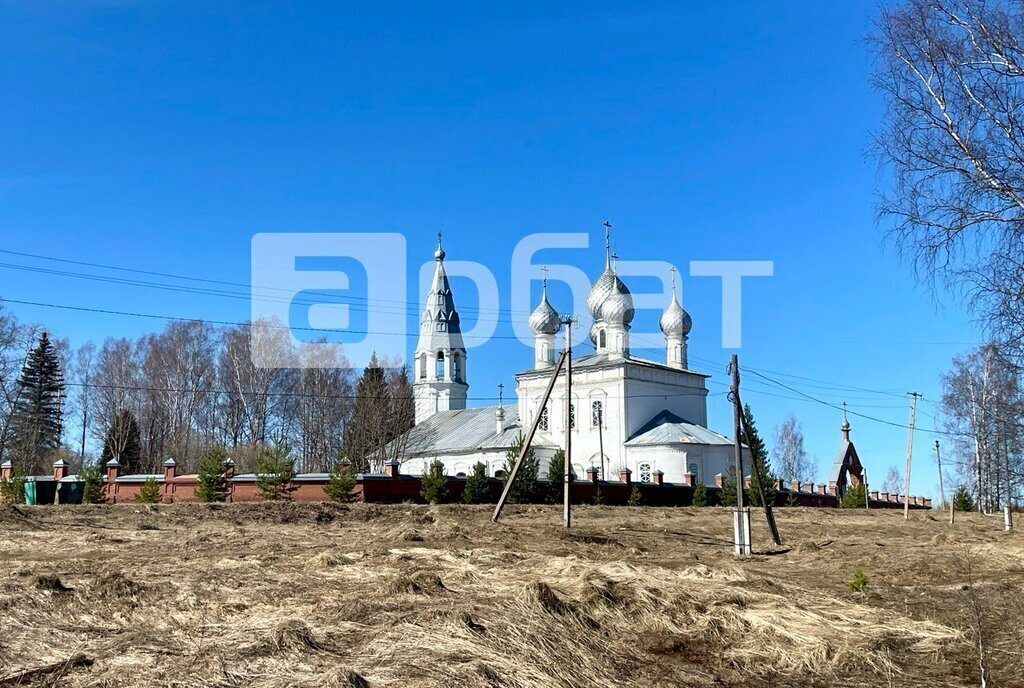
x=864, y=482
x=567, y=506
x=938, y=462
x=600, y=436
x=910, y=451
x=741, y=517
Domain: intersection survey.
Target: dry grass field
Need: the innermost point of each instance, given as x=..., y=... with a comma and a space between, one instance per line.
x=353, y=595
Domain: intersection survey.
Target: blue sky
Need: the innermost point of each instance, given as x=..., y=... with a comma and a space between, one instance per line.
x=164, y=135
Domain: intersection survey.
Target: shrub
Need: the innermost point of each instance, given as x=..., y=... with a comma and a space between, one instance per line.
x=434, y=483
x=477, y=490
x=963, y=500
x=635, y=498
x=340, y=483
x=854, y=498
x=274, y=475
x=526, y=481
x=92, y=484
x=12, y=490
x=598, y=497
x=149, y=493
x=859, y=582
x=556, y=477
x=729, y=487
x=211, y=485
x=760, y=471
x=700, y=494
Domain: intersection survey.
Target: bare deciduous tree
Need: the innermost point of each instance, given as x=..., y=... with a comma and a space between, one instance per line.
x=790, y=456
x=982, y=410
x=952, y=148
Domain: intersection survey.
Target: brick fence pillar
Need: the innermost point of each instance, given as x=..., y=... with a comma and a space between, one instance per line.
x=6, y=469
x=170, y=469
x=113, y=470
x=60, y=469
x=625, y=476
x=689, y=479
x=592, y=475
x=658, y=477
x=393, y=468
x=719, y=480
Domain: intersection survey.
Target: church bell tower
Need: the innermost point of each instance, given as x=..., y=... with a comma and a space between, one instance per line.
x=440, y=370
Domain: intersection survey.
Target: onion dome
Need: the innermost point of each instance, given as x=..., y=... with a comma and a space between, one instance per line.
x=675, y=322
x=544, y=319
x=593, y=334
x=439, y=254
x=618, y=307
x=599, y=291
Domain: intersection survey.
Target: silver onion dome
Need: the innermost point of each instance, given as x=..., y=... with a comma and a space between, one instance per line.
x=593, y=334
x=544, y=319
x=618, y=307
x=675, y=321
x=606, y=286
x=599, y=291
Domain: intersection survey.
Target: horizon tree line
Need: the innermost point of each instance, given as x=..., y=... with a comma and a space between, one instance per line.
x=179, y=392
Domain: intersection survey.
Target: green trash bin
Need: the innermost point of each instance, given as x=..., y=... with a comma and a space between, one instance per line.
x=40, y=489
x=70, y=491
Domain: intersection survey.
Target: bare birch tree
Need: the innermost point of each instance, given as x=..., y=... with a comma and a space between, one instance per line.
x=790, y=456
x=951, y=147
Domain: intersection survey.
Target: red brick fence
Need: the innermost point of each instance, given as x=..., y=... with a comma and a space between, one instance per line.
x=393, y=486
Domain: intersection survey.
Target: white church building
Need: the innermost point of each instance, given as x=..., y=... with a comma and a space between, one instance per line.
x=626, y=411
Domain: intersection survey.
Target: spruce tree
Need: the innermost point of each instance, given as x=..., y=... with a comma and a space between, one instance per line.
x=367, y=430
x=123, y=442
x=477, y=490
x=963, y=500
x=526, y=480
x=760, y=469
x=211, y=484
x=556, y=477
x=434, y=483
x=700, y=494
x=36, y=422
x=727, y=496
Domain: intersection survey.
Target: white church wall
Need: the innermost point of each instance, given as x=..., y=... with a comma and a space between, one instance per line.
x=648, y=399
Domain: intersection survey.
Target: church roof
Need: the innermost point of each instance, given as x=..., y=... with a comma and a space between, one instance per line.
x=845, y=448
x=668, y=428
x=603, y=359
x=463, y=430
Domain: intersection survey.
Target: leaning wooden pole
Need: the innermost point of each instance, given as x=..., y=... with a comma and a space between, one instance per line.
x=529, y=438
x=757, y=468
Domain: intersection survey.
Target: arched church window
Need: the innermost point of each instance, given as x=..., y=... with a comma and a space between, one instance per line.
x=596, y=413
x=543, y=424
x=423, y=366
x=692, y=470
x=439, y=367
x=601, y=340
x=572, y=416
x=456, y=367
x=646, y=471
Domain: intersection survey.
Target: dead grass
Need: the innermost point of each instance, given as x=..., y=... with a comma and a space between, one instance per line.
x=366, y=595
